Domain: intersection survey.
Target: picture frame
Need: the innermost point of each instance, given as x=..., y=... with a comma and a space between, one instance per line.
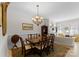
x=27, y=26
x=3, y=12
x=0, y=15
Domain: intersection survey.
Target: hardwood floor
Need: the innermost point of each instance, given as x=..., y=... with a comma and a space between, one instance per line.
x=74, y=52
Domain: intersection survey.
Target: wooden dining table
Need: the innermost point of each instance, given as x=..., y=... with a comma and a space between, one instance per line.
x=39, y=45
x=38, y=41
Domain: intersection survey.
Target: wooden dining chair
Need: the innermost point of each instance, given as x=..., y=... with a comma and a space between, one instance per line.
x=52, y=37
x=26, y=51
x=14, y=40
x=33, y=50
x=35, y=47
x=30, y=51
x=46, y=46
x=22, y=46
x=29, y=36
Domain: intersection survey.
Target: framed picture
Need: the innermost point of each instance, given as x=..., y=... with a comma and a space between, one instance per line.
x=0, y=15
x=27, y=26
x=3, y=15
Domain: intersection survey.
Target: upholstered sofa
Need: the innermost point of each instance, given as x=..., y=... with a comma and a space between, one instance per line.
x=64, y=40
x=76, y=38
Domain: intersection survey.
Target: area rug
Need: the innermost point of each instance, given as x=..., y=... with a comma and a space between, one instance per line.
x=59, y=51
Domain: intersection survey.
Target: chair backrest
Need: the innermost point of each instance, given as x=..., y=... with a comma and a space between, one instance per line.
x=52, y=37
x=30, y=36
x=14, y=40
x=44, y=37
x=22, y=45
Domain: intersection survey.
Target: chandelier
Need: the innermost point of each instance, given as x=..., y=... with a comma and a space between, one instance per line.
x=37, y=19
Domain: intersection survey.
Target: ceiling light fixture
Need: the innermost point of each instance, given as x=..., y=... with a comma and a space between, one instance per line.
x=37, y=19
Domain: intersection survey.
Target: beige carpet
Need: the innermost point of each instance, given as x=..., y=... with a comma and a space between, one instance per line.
x=59, y=51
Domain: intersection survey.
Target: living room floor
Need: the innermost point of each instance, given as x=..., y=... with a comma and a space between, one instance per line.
x=74, y=52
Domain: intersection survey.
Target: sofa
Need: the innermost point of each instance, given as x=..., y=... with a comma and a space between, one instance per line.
x=64, y=40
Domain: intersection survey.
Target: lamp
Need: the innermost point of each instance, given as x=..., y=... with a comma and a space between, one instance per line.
x=37, y=19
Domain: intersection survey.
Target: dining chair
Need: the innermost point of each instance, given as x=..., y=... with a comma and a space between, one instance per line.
x=51, y=38
x=24, y=51
x=27, y=49
x=35, y=46
x=46, y=46
x=14, y=40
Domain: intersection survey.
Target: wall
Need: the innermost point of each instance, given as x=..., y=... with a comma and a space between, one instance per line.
x=72, y=24
x=3, y=40
x=52, y=25
x=3, y=46
x=16, y=17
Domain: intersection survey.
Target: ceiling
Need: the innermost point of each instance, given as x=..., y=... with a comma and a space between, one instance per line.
x=54, y=11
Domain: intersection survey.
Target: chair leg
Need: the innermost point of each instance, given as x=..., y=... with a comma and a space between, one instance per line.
x=53, y=47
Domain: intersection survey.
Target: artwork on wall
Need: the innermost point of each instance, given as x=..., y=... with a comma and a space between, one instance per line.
x=0, y=15
x=27, y=26
x=4, y=6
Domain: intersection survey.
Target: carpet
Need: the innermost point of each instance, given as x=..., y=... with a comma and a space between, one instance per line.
x=59, y=51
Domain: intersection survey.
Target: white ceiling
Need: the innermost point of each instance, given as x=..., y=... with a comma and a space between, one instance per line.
x=56, y=11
